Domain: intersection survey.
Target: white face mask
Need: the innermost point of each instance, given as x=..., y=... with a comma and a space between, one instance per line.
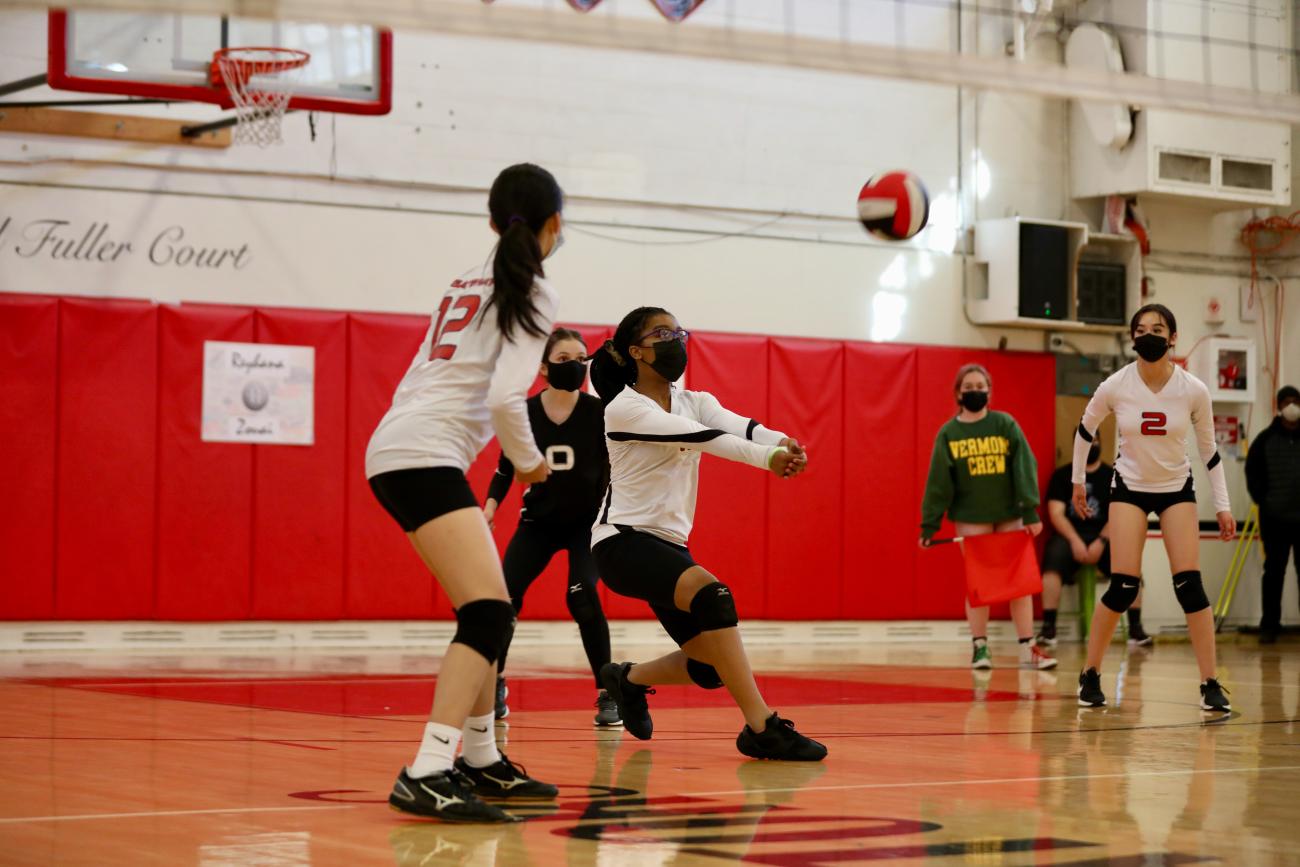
x=1291, y=412
x=557, y=243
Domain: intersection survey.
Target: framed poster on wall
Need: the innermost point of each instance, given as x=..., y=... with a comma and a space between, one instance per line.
x=258, y=393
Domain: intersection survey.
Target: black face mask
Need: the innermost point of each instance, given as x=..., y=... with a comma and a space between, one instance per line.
x=1094, y=455
x=1151, y=347
x=974, y=401
x=566, y=375
x=670, y=359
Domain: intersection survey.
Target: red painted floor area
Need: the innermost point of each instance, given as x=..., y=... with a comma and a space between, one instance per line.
x=412, y=695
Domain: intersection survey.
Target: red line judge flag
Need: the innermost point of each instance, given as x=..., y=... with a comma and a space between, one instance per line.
x=1000, y=567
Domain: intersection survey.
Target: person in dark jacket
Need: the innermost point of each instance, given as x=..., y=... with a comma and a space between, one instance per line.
x=1273, y=479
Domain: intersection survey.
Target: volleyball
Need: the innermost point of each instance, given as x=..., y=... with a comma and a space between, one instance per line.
x=894, y=206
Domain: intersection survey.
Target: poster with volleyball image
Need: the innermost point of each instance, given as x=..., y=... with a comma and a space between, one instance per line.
x=258, y=393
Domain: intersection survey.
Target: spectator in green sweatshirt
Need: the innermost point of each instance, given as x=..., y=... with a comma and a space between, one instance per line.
x=984, y=476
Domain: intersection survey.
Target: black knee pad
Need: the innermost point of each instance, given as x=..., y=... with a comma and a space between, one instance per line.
x=584, y=604
x=1190, y=592
x=485, y=626
x=713, y=608
x=703, y=675
x=1122, y=592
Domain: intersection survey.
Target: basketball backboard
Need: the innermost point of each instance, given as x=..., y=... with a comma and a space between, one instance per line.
x=169, y=56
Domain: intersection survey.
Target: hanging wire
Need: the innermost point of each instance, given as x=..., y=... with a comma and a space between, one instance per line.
x=707, y=239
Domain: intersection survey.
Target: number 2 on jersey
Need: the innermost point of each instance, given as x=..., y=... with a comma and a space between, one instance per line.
x=1153, y=424
x=446, y=327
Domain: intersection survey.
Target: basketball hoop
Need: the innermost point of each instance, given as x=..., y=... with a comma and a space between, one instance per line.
x=259, y=111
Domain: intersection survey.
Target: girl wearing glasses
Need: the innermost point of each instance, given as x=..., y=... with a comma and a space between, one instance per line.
x=558, y=513
x=656, y=433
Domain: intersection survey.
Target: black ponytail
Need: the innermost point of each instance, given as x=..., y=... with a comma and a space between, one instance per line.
x=612, y=368
x=522, y=199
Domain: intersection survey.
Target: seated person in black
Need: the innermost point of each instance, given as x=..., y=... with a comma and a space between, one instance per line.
x=1080, y=542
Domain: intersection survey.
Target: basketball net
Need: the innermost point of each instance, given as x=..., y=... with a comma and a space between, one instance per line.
x=260, y=109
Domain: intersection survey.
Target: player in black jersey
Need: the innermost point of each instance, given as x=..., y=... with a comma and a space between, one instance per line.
x=558, y=513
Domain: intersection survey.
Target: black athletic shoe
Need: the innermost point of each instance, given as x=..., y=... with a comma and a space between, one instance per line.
x=1214, y=696
x=606, y=711
x=1137, y=637
x=1268, y=636
x=447, y=795
x=504, y=779
x=630, y=698
x=502, y=709
x=1090, y=694
x=779, y=740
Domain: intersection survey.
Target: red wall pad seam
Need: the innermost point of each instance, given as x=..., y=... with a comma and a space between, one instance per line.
x=881, y=449
x=108, y=369
x=805, y=521
x=734, y=369
x=204, y=488
x=298, y=491
x=29, y=346
x=383, y=575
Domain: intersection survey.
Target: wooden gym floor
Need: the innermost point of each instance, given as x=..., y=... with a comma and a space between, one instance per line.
x=287, y=760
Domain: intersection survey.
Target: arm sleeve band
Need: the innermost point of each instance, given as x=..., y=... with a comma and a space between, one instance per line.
x=1097, y=410
x=1203, y=424
x=715, y=415
x=502, y=479
x=638, y=421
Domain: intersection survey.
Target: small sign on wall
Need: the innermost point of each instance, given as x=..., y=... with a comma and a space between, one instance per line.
x=258, y=393
x=1227, y=434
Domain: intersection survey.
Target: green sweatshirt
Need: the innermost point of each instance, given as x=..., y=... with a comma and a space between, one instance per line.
x=981, y=472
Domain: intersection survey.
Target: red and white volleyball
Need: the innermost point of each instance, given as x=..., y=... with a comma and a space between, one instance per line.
x=894, y=206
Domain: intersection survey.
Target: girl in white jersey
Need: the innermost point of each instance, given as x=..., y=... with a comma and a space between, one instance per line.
x=1156, y=404
x=656, y=434
x=470, y=377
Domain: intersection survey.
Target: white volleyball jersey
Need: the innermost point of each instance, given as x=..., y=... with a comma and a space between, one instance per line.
x=1152, y=432
x=465, y=380
x=654, y=459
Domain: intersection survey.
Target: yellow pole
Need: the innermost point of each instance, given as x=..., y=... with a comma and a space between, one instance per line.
x=1249, y=533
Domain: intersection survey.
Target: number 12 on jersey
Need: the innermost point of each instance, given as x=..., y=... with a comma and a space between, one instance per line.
x=445, y=327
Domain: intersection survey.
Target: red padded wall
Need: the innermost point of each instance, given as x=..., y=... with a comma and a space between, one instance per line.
x=29, y=364
x=127, y=515
x=204, y=489
x=299, y=491
x=805, y=514
x=735, y=369
x=107, y=459
x=384, y=576
x=880, y=449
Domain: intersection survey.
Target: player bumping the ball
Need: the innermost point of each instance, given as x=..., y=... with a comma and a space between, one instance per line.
x=656, y=433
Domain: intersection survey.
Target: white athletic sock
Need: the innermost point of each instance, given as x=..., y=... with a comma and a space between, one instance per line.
x=437, y=750
x=480, y=746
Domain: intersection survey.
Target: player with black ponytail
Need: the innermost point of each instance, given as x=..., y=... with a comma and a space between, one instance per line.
x=656, y=433
x=470, y=378
x=525, y=205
